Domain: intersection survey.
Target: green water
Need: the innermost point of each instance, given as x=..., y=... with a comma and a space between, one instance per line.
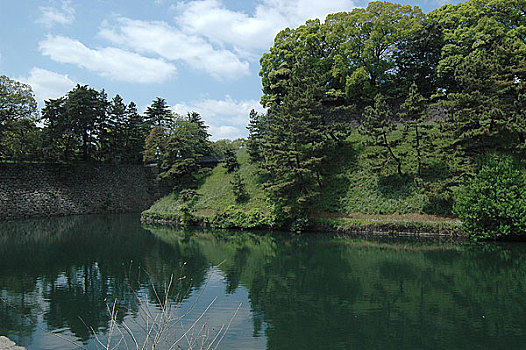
x=302, y=292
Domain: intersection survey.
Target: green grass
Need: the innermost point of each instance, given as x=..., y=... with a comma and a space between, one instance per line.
x=350, y=185
x=215, y=194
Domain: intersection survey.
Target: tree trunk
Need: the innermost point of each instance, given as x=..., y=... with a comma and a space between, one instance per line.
x=419, y=156
x=85, y=145
x=395, y=158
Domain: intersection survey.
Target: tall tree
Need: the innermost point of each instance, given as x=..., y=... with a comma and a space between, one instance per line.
x=86, y=109
x=19, y=136
x=76, y=120
x=414, y=113
x=294, y=144
x=179, y=150
x=257, y=128
x=112, y=136
x=417, y=57
x=136, y=132
x=158, y=113
x=353, y=54
x=483, y=69
x=17, y=100
x=378, y=125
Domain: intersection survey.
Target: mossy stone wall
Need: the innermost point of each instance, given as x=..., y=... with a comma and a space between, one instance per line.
x=40, y=190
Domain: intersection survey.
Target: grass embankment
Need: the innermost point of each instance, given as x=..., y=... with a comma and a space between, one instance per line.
x=354, y=197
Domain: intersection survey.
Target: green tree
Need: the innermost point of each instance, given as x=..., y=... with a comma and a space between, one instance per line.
x=112, y=134
x=370, y=38
x=19, y=136
x=294, y=145
x=135, y=133
x=231, y=164
x=353, y=53
x=158, y=113
x=17, y=100
x=493, y=203
x=20, y=140
x=85, y=109
x=483, y=67
x=155, y=144
x=74, y=122
x=417, y=57
x=414, y=114
x=379, y=126
x=59, y=139
x=257, y=128
x=182, y=148
x=238, y=188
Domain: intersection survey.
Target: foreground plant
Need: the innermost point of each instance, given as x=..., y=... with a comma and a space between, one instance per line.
x=493, y=203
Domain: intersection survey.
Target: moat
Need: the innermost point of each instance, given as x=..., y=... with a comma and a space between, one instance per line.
x=275, y=291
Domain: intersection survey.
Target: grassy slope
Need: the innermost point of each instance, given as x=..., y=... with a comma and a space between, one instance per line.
x=350, y=186
x=216, y=192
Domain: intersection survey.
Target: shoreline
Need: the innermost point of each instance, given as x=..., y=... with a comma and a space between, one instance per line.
x=372, y=225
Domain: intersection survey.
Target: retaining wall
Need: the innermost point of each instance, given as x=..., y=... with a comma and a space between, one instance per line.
x=40, y=190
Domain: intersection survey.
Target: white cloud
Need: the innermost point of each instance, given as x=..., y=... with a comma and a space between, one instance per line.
x=211, y=19
x=47, y=84
x=209, y=37
x=227, y=118
x=172, y=44
x=49, y=16
x=109, y=62
x=226, y=132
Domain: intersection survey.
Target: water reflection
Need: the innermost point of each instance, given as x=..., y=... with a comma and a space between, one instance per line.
x=320, y=293
x=306, y=292
x=60, y=273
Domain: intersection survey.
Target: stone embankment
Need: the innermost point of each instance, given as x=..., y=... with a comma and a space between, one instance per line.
x=40, y=190
x=7, y=344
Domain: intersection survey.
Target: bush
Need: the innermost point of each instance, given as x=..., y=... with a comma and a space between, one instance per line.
x=238, y=188
x=493, y=203
x=234, y=217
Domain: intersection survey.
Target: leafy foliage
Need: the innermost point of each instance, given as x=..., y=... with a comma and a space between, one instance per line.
x=293, y=149
x=231, y=164
x=353, y=53
x=19, y=136
x=378, y=125
x=238, y=188
x=84, y=124
x=158, y=113
x=17, y=100
x=178, y=150
x=493, y=203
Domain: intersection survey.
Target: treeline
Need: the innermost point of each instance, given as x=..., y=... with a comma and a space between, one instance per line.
x=84, y=125
x=428, y=93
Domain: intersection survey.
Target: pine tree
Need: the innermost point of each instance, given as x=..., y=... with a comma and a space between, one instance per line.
x=135, y=130
x=257, y=128
x=231, y=163
x=414, y=115
x=378, y=125
x=158, y=114
x=294, y=144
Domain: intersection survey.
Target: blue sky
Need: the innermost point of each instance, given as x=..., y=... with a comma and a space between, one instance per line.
x=200, y=55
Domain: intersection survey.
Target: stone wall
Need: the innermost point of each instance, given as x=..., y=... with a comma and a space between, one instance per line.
x=39, y=190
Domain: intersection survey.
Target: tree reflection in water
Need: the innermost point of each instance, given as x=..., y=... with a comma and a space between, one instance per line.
x=304, y=292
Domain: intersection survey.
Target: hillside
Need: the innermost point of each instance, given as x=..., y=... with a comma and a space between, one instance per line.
x=352, y=194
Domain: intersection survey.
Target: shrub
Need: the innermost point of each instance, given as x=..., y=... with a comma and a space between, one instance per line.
x=238, y=188
x=234, y=217
x=493, y=203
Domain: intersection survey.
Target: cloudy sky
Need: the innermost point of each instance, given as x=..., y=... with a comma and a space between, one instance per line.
x=200, y=55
